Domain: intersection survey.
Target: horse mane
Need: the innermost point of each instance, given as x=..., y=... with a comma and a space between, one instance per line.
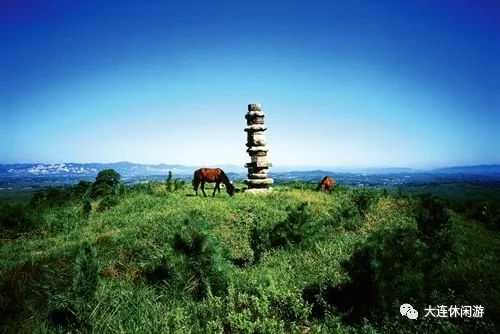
x=225, y=180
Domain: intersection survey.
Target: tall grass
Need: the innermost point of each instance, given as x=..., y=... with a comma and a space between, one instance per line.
x=162, y=260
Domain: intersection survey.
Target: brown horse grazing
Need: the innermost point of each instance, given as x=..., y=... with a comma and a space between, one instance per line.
x=216, y=175
x=326, y=184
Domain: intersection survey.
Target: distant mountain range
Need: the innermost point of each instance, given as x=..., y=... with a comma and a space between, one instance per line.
x=36, y=176
x=131, y=170
x=85, y=169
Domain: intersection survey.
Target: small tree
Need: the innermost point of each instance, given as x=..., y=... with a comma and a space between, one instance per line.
x=108, y=176
x=107, y=182
x=169, y=183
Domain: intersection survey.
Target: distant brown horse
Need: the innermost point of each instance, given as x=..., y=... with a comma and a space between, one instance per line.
x=210, y=175
x=326, y=184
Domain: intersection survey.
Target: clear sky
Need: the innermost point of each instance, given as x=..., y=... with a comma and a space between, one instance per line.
x=343, y=83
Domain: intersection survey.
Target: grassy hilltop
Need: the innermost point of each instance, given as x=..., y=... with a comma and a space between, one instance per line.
x=154, y=258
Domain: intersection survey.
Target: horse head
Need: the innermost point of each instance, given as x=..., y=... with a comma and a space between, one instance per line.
x=231, y=190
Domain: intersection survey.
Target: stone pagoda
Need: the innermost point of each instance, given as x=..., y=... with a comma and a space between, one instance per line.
x=257, y=181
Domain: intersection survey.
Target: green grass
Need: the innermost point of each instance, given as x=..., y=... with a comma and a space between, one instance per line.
x=167, y=261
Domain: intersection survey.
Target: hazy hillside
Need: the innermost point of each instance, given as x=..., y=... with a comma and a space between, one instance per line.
x=153, y=258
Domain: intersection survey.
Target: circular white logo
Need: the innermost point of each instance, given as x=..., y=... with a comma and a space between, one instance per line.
x=408, y=311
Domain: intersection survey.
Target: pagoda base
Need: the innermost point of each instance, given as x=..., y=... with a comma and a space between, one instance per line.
x=259, y=190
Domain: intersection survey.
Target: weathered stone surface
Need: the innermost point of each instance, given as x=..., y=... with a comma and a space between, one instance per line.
x=254, y=107
x=258, y=164
x=256, y=133
x=259, y=170
x=259, y=143
x=255, y=120
x=257, y=154
x=257, y=149
x=257, y=176
x=256, y=139
x=259, y=181
x=251, y=114
x=258, y=159
x=255, y=128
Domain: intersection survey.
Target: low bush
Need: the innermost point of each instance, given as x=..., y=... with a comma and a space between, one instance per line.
x=363, y=199
x=107, y=203
x=87, y=206
x=206, y=266
x=16, y=219
x=296, y=228
x=51, y=197
x=260, y=309
x=301, y=185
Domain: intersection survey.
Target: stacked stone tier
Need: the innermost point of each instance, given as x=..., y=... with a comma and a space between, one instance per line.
x=254, y=107
x=255, y=128
x=256, y=139
x=259, y=181
x=258, y=165
x=257, y=150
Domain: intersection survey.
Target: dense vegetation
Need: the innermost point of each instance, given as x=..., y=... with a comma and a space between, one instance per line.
x=103, y=257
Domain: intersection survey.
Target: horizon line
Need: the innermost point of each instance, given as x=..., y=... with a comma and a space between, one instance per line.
x=309, y=167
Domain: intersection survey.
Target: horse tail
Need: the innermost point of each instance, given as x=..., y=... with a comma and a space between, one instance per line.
x=195, y=178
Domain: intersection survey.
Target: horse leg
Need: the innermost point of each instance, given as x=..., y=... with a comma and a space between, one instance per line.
x=217, y=185
x=203, y=188
x=196, y=184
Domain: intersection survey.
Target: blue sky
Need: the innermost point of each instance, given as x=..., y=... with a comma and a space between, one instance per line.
x=343, y=83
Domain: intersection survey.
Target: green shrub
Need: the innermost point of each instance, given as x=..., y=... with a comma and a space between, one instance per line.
x=301, y=185
x=206, y=266
x=16, y=219
x=87, y=268
x=433, y=222
x=107, y=203
x=350, y=217
x=259, y=309
x=485, y=211
x=179, y=184
x=81, y=189
x=384, y=269
x=145, y=187
x=51, y=197
x=363, y=199
x=173, y=184
x=169, y=183
x=87, y=206
x=297, y=227
x=71, y=306
x=259, y=240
